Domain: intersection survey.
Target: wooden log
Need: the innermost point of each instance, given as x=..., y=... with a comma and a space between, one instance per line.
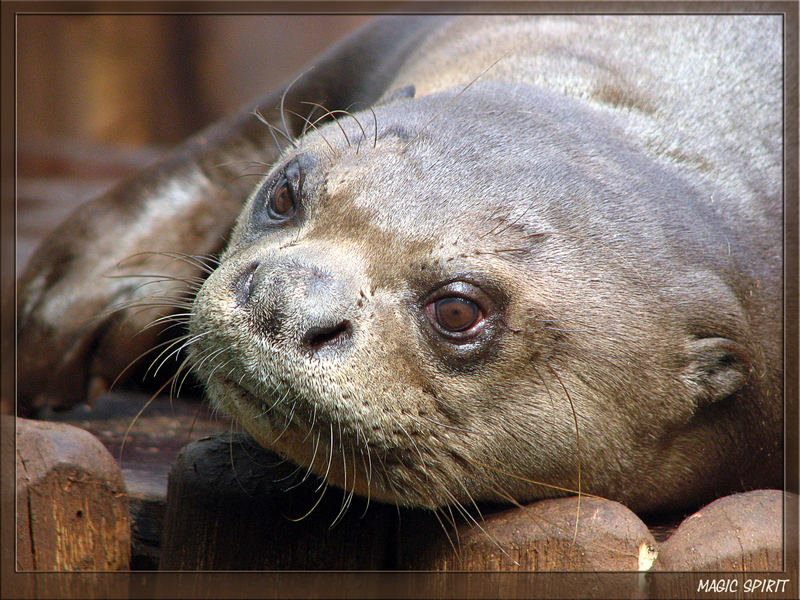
x=741, y=532
x=72, y=510
x=542, y=536
x=233, y=505
x=152, y=442
x=229, y=508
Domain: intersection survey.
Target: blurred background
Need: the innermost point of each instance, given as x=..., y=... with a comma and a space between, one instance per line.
x=101, y=96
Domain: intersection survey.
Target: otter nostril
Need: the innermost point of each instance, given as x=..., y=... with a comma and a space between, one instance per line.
x=317, y=338
x=243, y=284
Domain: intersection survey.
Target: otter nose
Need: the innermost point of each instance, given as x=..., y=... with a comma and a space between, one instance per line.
x=307, y=305
x=321, y=338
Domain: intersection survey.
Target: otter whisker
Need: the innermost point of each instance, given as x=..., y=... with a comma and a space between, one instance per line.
x=233, y=464
x=324, y=487
x=306, y=120
x=347, y=112
x=184, y=341
x=141, y=305
x=175, y=298
x=314, y=125
x=332, y=114
x=365, y=453
x=156, y=278
x=469, y=497
x=330, y=455
x=292, y=476
x=195, y=260
x=272, y=129
x=530, y=511
x=523, y=251
x=157, y=304
x=454, y=98
x=309, y=469
x=368, y=473
x=471, y=519
x=353, y=116
x=288, y=420
x=283, y=102
x=347, y=493
x=261, y=169
x=507, y=226
x=352, y=490
x=189, y=432
x=228, y=375
x=590, y=330
x=320, y=118
x=388, y=481
x=151, y=302
x=170, y=344
x=208, y=356
x=280, y=400
x=360, y=126
x=252, y=163
x=136, y=418
x=453, y=427
x=344, y=475
x=577, y=443
x=454, y=545
x=185, y=368
x=410, y=439
x=546, y=387
x=135, y=360
x=313, y=420
x=451, y=526
x=374, y=121
x=175, y=319
x=529, y=480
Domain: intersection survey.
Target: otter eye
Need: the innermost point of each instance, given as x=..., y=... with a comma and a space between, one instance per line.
x=281, y=201
x=455, y=314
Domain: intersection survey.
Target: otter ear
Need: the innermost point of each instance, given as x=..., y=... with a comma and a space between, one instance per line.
x=404, y=93
x=718, y=368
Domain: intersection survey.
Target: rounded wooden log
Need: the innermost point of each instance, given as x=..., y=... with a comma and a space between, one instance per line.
x=234, y=505
x=549, y=535
x=741, y=532
x=150, y=448
x=72, y=509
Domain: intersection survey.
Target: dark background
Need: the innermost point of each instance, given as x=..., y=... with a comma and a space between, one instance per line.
x=100, y=96
x=143, y=79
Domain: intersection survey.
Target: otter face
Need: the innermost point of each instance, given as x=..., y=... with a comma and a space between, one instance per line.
x=422, y=315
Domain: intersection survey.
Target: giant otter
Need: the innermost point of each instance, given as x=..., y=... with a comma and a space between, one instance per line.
x=496, y=259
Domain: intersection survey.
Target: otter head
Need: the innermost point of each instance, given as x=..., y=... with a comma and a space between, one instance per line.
x=468, y=298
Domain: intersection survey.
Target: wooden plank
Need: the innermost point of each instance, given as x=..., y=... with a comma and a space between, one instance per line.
x=71, y=500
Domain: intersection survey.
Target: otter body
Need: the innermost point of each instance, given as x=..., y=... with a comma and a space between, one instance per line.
x=547, y=259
